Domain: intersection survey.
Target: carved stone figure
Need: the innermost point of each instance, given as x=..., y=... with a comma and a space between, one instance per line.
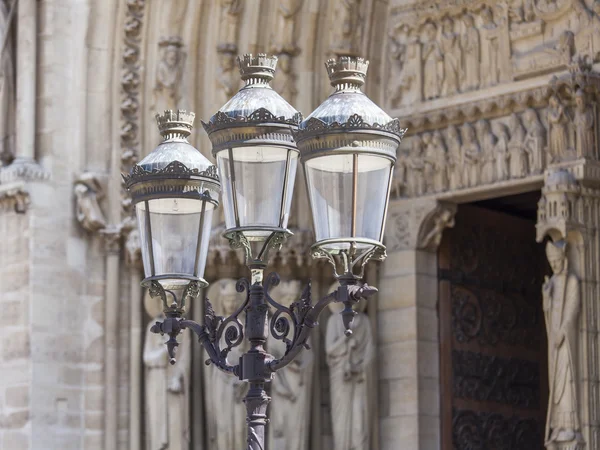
x=520, y=11
x=228, y=31
x=291, y=387
x=415, y=179
x=7, y=93
x=349, y=35
x=455, y=159
x=404, y=87
x=224, y=393
x=433, y=63
x=350, y=374
x=516, y=149
x=471, y=156
x=490, y=49
x=488, y=145
x=282, y=40
x=469, y=42
x=434, y=224
x=429, y=160
x=169, y=73
x=558, y=124
x=451, y=52
x=399, y=180
x=227, y=78
x=501, y=150
x=167, y=387
x=585, y=127
x=535, y=142
x=285, y=78
x=88, y=191
x=440, y=178
x=562, y=304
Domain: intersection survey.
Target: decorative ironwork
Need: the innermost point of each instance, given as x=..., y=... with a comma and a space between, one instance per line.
x=174, y=169
x=481, y=377
x=355, y=122
x=347, y=259
x=261, y=116
x=481, y=431
x=237, y=239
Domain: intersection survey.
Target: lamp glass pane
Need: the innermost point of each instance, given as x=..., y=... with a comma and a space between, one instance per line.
x=174, y=226
x=330, y=184
x=257, y=180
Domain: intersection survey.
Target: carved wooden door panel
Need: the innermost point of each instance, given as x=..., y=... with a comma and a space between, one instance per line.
x=493, y=351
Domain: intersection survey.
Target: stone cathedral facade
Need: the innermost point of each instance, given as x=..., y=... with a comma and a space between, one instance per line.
x=484, y=333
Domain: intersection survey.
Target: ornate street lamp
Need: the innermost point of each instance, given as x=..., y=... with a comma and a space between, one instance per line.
x=348, y=147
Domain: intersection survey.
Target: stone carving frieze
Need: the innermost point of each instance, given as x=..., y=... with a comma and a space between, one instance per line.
x=477, y=153
x=439, y=49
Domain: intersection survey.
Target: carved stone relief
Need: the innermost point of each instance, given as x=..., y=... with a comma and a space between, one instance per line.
x=479, y=153
x=88, y=191
x=169, y=73
x=348, y=31
x=482, y=44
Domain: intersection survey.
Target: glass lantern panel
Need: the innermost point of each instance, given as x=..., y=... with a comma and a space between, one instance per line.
x=330, y=184
x=173, y=232
x=255, y=183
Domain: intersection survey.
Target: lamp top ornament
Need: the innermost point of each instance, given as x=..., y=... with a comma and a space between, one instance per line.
x=256, y=112
x=349, y=115
x=174, y=158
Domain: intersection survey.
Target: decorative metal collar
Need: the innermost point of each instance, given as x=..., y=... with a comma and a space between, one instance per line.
x=172, y=170
x=314, y=126
x=261, y=116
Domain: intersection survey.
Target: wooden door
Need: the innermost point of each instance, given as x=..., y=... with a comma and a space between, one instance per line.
x=493, y=350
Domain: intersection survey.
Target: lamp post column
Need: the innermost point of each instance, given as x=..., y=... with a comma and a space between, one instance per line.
x=253, y=365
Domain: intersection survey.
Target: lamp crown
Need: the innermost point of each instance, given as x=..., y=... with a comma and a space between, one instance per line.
x=259, y=69
x=175, y=124
x=347, y=72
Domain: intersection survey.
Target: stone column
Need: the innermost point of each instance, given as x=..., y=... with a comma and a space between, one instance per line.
x=409, y=378
x=24, y=166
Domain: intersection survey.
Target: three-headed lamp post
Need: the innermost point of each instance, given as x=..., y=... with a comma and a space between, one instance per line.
x=348, y=147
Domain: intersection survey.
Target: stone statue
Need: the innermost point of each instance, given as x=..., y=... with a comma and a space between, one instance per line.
x=415, y=181
x=349, y=37
x=169, y=74
x=399, y=180
x=535, y=141
x=285, y=78
x=404, y=87
x=7, y=94
x=225, y=393
x=585, y=127
x=291, y=388
x=88, y=191
x=521, y=11
x=501, y=150
x=350, y=376
x=470, y=52
x=429, y=160
x=228, y=31
x=562, y=304
x=487, y=141
x=227, y=78
x=433, y=67
x=451, y=52
x=517, y=154
x=167, y=387
x=455, y=159
x=440, y=177
x=490, y=49
x=558, y=123
x=471, y=156
x=282, y=40
x=430, y=234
